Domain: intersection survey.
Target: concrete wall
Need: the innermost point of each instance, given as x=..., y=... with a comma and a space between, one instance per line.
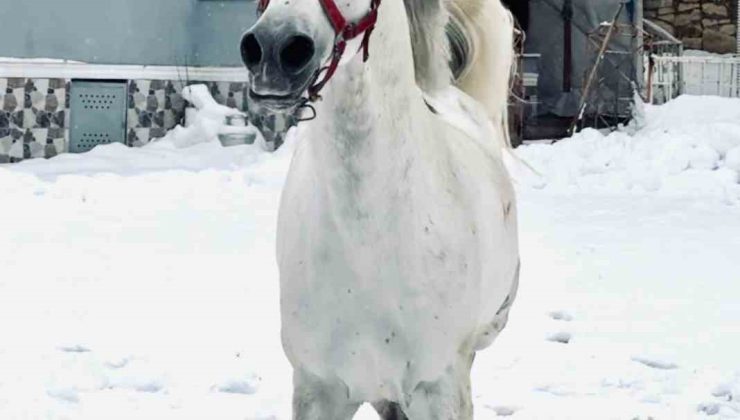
x=153, y=32
x=701, y=24
x=217, y=29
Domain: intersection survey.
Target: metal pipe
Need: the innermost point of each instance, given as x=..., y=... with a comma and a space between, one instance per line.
x=567, y=15
x=637, y=48
x=656, y=29
x=594, y=69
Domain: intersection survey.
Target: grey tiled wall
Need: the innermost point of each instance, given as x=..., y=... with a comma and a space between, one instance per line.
x=34, y=113
x=155, y=106
x=33, y=118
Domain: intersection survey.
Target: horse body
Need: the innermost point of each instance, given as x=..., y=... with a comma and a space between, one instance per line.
x=397, y=241
x=397, y=235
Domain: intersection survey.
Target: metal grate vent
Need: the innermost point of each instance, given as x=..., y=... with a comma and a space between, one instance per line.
x=97, y=115
x=97, y=101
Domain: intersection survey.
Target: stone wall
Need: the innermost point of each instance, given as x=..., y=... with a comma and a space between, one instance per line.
x=709, y=25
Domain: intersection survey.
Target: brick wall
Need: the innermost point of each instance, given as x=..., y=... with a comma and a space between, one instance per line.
x=709, y=25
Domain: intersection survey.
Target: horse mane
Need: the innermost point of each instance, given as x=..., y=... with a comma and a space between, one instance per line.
x=428, y=21
x=461, y=48
x=466, y=43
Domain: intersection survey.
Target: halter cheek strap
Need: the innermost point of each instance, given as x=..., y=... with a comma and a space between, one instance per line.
x=344, y=31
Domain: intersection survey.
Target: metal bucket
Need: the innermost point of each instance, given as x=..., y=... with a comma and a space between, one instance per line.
x=236, y=132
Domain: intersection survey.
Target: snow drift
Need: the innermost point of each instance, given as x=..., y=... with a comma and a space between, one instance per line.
x=690, y=146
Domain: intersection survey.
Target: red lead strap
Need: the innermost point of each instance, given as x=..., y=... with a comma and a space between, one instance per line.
x=344, y=32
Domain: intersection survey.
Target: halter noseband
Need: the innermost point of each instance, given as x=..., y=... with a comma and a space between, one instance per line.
x=345, y=31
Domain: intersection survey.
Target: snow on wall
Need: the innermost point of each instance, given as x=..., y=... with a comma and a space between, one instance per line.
x=34, y=112
x=156, y=106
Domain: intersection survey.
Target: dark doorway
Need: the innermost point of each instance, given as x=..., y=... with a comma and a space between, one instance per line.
x=520, y=10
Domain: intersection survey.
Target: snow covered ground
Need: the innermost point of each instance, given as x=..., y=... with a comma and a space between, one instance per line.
x=141, y=283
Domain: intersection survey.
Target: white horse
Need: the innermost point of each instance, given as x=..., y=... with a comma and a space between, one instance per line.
x=397, y=235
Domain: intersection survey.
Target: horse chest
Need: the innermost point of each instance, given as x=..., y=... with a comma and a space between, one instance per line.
x=399, y=237
x=375, y=281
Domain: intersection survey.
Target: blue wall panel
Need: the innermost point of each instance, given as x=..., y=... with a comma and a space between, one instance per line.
x=153, y=32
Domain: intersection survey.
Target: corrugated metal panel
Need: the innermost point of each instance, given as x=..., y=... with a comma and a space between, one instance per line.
x=97, y=114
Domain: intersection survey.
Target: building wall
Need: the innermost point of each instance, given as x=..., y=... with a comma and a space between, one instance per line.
x=34, y=113
x=148, y=32
x=156, y=106
x=701, y=24
x=34, y=118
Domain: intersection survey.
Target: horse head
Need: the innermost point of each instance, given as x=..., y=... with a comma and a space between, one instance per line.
x=297, y=45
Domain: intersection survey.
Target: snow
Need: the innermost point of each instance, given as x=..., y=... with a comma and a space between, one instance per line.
x=732, y=159
x=702, y=53
x=684, y=149
x=142, y=283
x=207, y=122
x=37, y=60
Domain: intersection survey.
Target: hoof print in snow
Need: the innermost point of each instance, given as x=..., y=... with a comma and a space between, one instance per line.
x=650, y=399
x=504, y=411
x=561, y=337
x=237, y=387
x=116, y=364
x=655, y=363
x=561, y=316
x=143, y=385
x=149, y=387
x=75, y=349
x=722, y=392
x=554, y=389
x=68, y=395
x=710, y=409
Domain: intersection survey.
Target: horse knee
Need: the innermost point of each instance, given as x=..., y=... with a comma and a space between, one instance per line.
x=316, y=399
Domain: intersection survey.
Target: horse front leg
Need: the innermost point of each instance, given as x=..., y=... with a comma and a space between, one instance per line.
x=448, y=398
x=318, y=399
x=389, y=410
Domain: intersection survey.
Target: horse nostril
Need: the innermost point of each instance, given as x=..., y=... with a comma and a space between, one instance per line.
x=251, y=50
x=296, y=53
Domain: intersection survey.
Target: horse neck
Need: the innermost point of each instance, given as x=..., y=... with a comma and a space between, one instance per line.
x=370, y=107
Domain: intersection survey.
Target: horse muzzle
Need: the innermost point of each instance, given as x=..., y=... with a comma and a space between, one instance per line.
x=274, y=102
x=281, y=64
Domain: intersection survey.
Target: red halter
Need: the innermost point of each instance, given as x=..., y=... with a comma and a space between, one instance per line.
x=345, y=31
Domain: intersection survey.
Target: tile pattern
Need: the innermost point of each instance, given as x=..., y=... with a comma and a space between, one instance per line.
x=274, y=128
x=33, y=118
x=34, y=114
x=155, y=106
